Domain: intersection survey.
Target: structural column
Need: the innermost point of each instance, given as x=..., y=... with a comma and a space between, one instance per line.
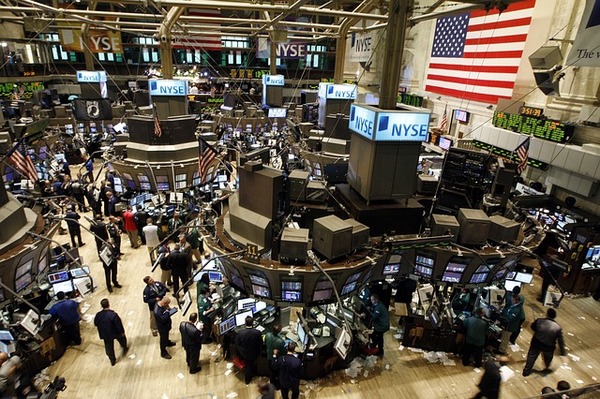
x=394, y=47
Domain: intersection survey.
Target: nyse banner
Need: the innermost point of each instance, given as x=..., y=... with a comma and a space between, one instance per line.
x=380, y=125
x=289, y=50
x=101, y=41
x=586, y=48
x=361, y=47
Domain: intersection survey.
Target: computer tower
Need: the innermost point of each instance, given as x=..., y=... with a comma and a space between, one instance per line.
x=332, y=236
x=474, y=226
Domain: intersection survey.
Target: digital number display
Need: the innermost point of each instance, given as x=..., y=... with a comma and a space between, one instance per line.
x=545, y=129
x=531, y=111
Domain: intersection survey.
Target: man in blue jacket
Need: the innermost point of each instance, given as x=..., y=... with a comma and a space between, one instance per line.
x=476, y=329
x=110, y=328
x=67, y=311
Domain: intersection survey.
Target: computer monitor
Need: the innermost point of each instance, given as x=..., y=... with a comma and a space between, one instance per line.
x=480, y=275
x=322, y=295
x=291, y=291
x=302, y=335
x=23, y=281
x=351, y=283
x=424, y=264
x=391, y=269
x=80, y=272
x=227, y=325
x=58, y=277
x=64, y=286
x=245, y=303
x=258, y=306
x=524, y=277
x=6, y=335
x=215, y=277
x=43, y=263
x=509, y=285
x=455, y=269
x=445, y=143
x=240, y=318
x=260, y=284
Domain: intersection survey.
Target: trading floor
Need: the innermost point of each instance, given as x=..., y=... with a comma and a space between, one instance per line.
x=401, y=374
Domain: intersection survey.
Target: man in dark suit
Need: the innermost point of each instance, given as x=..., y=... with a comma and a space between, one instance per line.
x=489, y=386
x=98, y=227
x=110, y=328
x=547, y=332
x=162, y=313
x=154, y=291
x=248, y=344
x=191, y=339
x=290, y=372
x=179, y=264
x=72, y=218
x=141, y=217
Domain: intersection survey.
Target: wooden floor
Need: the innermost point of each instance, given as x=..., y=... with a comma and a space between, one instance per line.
x=402, y=374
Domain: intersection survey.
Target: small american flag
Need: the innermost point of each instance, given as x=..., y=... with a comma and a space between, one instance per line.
x=23, y=163
x=444, y=121
x=522, y=152
x=206, y=155
x=476, y=55
x=157, y=126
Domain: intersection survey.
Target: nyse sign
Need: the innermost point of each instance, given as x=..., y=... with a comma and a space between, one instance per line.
x=168, y=87
x=362, y=120
x=337, y=91
x=402, y=126
x=91, y=76
x=273, y=80
x=379, y=125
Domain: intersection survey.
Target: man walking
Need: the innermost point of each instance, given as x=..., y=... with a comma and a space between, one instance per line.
x=98, y=227
x=290, y=372
x=67, y=311
x=191, y=340
x=110, y=328
x=162, y=313
x=547, y=333
x=154, y=291
x=73, y=225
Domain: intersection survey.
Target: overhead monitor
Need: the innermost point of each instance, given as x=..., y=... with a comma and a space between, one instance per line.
x=215, y=277
x=323, y=291
x=245, y=303
x=504, y=269
x=445, y=143
x=455, y=269
x=291, y=291
x=277, y=113
x=351, y=284
x=23, y=281
x=43, y=263
x=391, y=269
x=461, y=115
x=424, y=264
x=240, y=318
x=162, y=183
x=260, y=284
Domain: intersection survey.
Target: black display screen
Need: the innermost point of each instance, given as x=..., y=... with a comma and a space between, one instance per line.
x=546, y=129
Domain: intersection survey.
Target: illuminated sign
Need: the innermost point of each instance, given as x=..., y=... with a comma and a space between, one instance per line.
x=168, y=87
x=362, y=121
x=402, y=126
x=546, y=129
x=337, y=91
x=380, y=125
x=273, y=80
x=91, y=76
x=510, y=155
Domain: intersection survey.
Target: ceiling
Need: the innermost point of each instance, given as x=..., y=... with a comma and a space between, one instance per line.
x=307, y=20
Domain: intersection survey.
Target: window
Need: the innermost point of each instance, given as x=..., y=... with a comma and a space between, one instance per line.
x=235, y=42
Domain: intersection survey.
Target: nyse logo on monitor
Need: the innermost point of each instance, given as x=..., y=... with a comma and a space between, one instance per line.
x=341, y=92
x=402, y=126
x=167, y=87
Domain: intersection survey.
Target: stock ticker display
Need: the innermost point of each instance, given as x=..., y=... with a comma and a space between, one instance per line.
x=509, y=154
x=545, y=129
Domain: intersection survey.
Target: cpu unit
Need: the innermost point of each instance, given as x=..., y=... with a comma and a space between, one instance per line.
x=332, y=236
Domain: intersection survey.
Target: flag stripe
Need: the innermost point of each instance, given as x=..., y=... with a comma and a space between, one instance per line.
x=23, y=163
x=206, y=155
x=484, y=98
x=205, y=41
x=522, y=152
x=476, y=56
x=476, y=82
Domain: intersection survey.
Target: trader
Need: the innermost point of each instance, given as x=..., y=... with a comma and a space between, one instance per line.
x=547, y=333
x=290, y=372
x=191, y=340
x=475, y=340
x=162, y=313
x=154, y=291
x=110, y=328
x=381, y=322
x=273, y=341
x=248, y=344
x=67, y=311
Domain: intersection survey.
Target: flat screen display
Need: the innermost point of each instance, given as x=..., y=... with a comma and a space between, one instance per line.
x=240, y=318
x=509, y=285
x=215, y=277
x=524, y=277
x=302, y=335
x=226, y=325
x=261, y=291
x=277, y=113
x=245, y=303
x=454, y=270
x=42, y=264
x=424, y=265
x=322, y=295
x=393, y=268
x=22, y=282
x=461, y=115
x=445, y=143
x=291, y=296
x=162, y=183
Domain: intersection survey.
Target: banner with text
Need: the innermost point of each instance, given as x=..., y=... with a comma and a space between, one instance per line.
x=287, y=50
x=361, y=47
x=101, y=41
x=586, y=48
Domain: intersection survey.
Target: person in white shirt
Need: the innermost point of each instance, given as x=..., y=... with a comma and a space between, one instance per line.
x=152, y=240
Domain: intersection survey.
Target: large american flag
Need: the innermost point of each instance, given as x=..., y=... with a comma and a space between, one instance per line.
x=206, y=155
x=476, y=56
x=23, y=163
x=522, y=152
x=205, y=41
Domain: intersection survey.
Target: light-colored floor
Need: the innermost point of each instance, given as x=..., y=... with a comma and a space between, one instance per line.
x=402, y=374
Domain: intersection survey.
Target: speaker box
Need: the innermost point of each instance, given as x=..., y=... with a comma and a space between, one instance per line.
x=332, y=236
x=294, y=245
x=442, y=225
x=262, y=188
x=474, y=226
x=546, y=82
x=546, y=57
x=360, y=233
x=298, y=180
x=503, y=229
x=248, y=226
